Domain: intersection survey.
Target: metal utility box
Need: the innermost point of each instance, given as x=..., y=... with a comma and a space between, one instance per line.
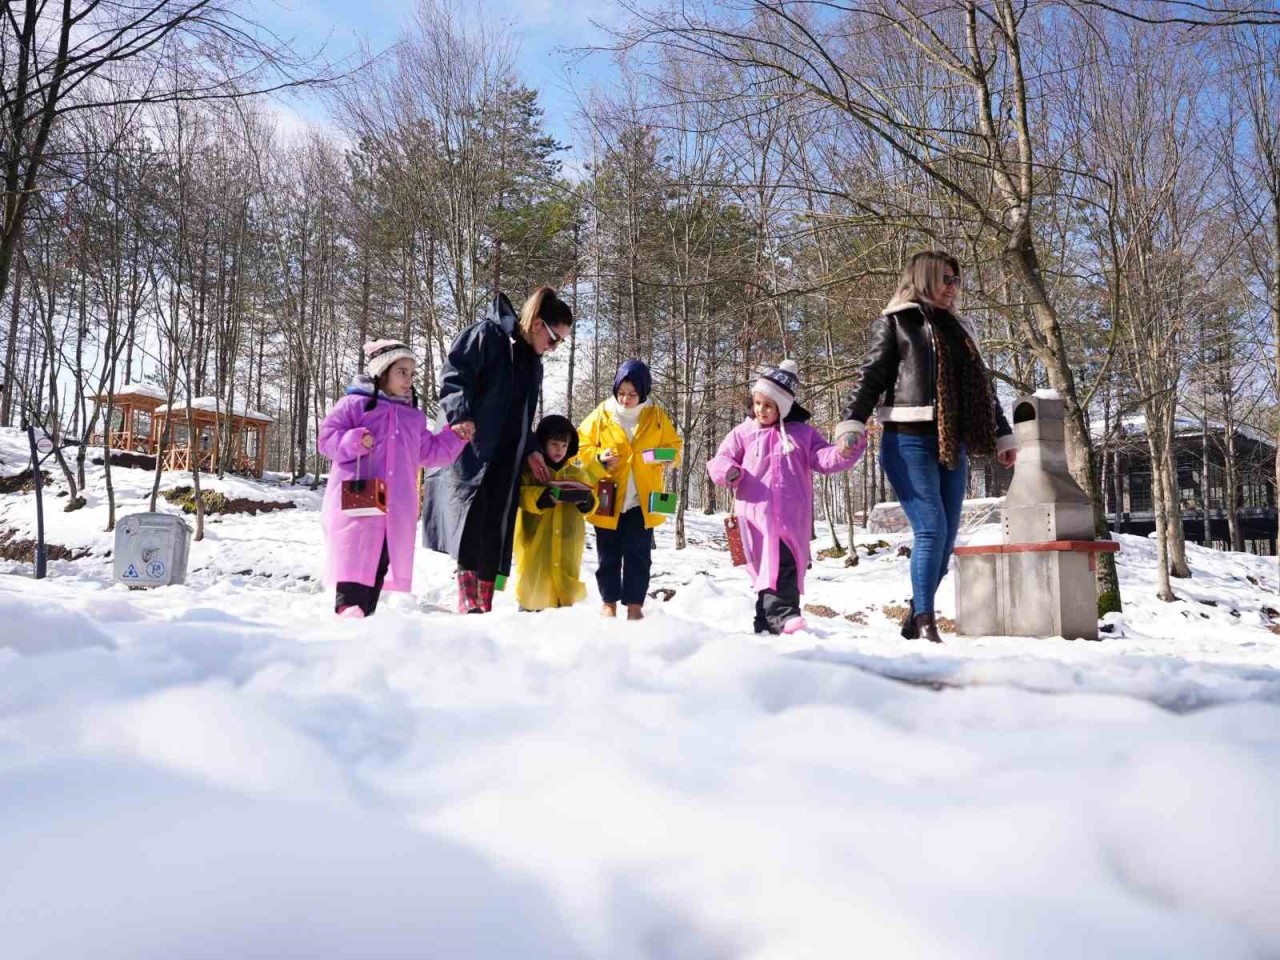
x=151, y=550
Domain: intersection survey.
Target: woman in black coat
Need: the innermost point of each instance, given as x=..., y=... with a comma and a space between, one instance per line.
x=489, y=389
x=926, y=381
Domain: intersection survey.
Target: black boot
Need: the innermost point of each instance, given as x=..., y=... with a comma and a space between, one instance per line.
x=909, y=630
x=927, y=627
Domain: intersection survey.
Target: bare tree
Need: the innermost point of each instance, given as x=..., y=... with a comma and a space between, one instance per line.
x=72, y=56
x=1252, y=79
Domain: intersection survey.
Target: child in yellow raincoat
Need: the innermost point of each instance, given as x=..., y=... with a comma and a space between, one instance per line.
x=616, y=436
x=550, y=532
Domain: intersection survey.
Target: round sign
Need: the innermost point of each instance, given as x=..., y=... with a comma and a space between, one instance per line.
x=44, y=444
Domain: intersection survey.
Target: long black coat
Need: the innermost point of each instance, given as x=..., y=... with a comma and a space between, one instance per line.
x=476, y=383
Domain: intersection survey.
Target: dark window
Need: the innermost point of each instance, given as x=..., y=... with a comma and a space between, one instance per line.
x=1217, y=491
x=1188, y=483
x=1255, y=492
x=1140, y=493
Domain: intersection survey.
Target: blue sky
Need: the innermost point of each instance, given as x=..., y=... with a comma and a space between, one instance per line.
x=544, y=30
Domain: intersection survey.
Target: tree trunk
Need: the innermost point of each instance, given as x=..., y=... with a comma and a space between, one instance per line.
x=1231, y=492
x=9, y=376
x=1159, y=488
x=1175, y=527
x=197, y=496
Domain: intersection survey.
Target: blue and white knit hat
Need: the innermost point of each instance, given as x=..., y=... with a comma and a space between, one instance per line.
x=780, y=384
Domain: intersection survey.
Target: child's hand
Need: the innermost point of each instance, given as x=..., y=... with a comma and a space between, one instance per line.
x=466, y=430
x=852, y=444
x=609, y=457
x=547, y=499
x=367, y=441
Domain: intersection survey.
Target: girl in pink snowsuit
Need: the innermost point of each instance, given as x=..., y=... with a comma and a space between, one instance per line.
x=378, y=430
x=769, y=461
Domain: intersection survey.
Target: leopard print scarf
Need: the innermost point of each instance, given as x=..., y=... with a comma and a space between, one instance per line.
x=963, y=393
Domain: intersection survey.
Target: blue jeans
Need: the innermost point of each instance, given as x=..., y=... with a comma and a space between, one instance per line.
x=931, y=497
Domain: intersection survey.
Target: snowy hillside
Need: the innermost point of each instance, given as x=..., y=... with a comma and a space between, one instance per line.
x=223, y=769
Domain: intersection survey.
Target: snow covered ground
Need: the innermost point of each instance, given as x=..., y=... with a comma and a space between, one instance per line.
x=223, y=769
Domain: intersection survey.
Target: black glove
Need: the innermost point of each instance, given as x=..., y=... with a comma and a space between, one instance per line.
x=547, y=500
x=587, y=505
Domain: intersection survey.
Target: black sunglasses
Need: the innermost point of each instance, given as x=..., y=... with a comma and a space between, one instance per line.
x=951, y=280
x=555, y=337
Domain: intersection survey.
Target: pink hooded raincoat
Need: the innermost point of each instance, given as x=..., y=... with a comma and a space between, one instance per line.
x=402, y=442
x=773, y=496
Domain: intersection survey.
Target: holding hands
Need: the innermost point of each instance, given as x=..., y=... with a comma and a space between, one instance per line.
x=465, y=430
x=852, y=445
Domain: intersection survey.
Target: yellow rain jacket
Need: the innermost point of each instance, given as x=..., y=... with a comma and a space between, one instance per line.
x=548, y=544
x=601, y=430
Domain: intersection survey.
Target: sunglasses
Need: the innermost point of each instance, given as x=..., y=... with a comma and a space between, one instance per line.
x=555, y=337
x=951, y=280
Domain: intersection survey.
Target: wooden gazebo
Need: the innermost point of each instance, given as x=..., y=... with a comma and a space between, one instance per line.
x=248, y=436
x=132, y=418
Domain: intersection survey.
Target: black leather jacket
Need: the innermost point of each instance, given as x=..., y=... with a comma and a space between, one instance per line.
x=900, y=372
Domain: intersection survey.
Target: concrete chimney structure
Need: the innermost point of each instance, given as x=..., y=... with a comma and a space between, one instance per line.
x=1039, y=580
x=1044, y=502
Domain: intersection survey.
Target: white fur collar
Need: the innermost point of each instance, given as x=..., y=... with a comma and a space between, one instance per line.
x=897, y=306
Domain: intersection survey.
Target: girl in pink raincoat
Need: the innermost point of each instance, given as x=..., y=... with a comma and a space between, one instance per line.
x=769, y=460
x=377, y=431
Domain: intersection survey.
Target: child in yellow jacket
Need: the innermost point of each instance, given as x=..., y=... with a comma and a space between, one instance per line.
x=632, y=437
x=550, y=532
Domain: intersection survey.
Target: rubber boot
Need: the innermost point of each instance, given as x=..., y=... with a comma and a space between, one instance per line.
x=927, y=627
x=486, y=596
x=468, y=592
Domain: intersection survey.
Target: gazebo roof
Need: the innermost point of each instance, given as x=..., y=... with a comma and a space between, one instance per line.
x=216, y=405
x=133, y=392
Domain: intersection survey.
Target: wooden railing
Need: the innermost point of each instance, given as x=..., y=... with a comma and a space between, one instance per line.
x=132, y=443
x=179, y=458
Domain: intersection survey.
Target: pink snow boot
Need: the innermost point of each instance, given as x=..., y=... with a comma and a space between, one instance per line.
x=794, y=625
x=469, y=592
x=351, y=613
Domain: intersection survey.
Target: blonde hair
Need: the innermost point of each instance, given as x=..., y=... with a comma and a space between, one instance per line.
x=921, y=278
x=546, y=304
